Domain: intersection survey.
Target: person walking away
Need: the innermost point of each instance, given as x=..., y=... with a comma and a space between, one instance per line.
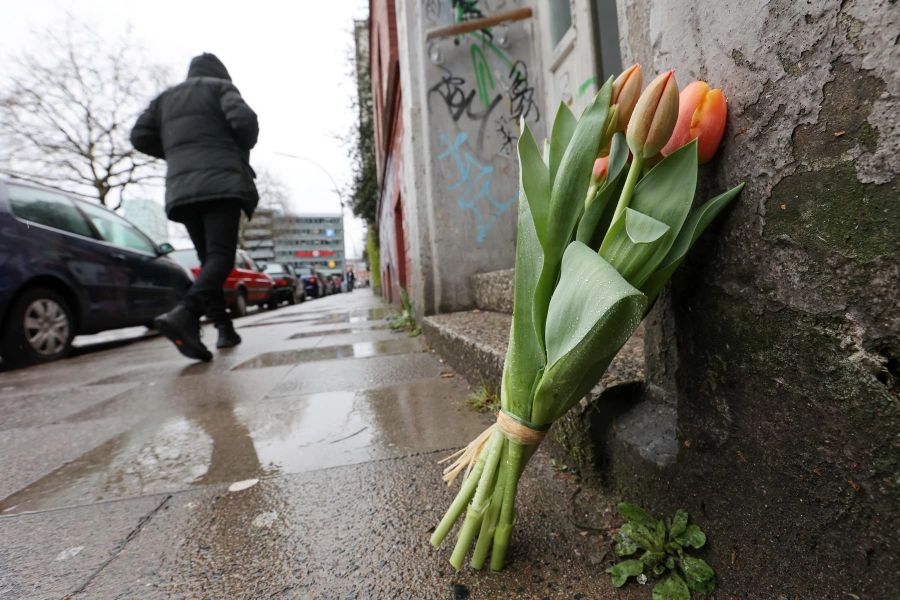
x=350, y=277
x=204, y=130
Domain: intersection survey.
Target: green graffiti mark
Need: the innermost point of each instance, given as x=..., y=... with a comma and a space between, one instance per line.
x=588, y=83
x=483, y=77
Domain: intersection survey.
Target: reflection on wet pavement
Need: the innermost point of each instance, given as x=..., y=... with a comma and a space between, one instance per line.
x=199, y=444
x=357, y=350
x=344, y=330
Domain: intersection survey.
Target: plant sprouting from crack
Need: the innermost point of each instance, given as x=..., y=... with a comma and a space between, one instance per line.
x=405, y=320
x=660, y=551
x=484, y=399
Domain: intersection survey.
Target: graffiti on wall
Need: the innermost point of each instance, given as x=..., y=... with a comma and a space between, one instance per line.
x=473, y=183
x=482, y=82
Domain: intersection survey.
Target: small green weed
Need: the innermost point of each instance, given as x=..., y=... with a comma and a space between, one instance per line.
x=663, y=545
x=484, y=399
x=405, y=320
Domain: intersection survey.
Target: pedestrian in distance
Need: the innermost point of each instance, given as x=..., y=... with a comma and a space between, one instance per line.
x=204, y=130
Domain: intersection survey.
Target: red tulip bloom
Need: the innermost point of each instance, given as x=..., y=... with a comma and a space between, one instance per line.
x=701, y=116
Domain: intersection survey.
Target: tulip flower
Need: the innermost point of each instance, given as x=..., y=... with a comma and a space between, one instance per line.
x=701, y=117
x=626, y=90
x=601, y=166
x=654, y=116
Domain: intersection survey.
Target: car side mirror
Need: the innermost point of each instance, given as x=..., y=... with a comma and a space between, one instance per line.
x=165, y=248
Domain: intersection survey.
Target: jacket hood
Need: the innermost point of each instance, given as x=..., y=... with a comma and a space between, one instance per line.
x=208, y=65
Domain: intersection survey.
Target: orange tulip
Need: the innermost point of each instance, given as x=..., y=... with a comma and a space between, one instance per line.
x=654, y=117
x=701, y=117
x=625, y=93
x=601, y=167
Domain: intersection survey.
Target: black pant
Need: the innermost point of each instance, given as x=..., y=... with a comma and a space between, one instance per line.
x=213, y=227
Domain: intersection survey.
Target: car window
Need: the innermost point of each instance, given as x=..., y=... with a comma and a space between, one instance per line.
x=116, y=230
x=275, y=269
x=47, y=208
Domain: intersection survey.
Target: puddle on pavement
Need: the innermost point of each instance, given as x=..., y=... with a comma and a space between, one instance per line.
x=356, y=350
x=326, y=332
x=230, y=441
x=322, y=318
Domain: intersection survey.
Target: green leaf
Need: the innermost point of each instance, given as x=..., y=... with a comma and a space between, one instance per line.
x=629, y=257
x=567, y=193
x=642, y=229
x=671, y=588
x=679, y=522
x=692, y=536
x=640, y=534
x=524, y=355
x=636, y=514
x=670, y=562
x=563, y=127
x=652, y=559
x=660, y=534
x=622, y=571
x=592, y=313
x=625, y=546
x=665, y=194
x=699, y=576
x=597, y=208
x=618, y=157
x=698, y=220
x=534, y=180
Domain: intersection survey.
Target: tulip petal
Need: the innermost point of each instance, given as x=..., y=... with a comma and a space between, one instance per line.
x=708, y=124
x=691, y=97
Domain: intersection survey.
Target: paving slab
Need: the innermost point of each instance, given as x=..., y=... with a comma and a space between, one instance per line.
x=359, y=531
x=49, y=555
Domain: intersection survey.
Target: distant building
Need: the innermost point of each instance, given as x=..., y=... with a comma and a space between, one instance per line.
x=258, y=235
x=310, y=240
x=149, y=216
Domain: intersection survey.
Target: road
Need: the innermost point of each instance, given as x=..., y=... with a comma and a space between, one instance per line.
x=300, y=464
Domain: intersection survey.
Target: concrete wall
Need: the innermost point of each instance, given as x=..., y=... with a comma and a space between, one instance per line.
x=772, y=359
x=461, y=101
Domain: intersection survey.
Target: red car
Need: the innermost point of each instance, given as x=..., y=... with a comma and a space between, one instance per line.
x=246, y=285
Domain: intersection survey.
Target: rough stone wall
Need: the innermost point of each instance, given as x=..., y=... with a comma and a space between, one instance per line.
x=778, y=342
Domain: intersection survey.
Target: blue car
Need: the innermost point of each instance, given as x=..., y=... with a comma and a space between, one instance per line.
x=70, y=267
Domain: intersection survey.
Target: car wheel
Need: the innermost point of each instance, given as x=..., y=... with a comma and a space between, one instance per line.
x=272, y=304
x=239, y=308
x=292, y=299
x=40, y=328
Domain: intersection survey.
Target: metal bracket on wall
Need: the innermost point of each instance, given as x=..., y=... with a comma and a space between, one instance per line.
x=520, y=14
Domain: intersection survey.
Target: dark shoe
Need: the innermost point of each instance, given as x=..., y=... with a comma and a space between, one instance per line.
x=182, y=327
x=228, y=337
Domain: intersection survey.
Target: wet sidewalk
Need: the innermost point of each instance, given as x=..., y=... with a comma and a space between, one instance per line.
x=301, y=464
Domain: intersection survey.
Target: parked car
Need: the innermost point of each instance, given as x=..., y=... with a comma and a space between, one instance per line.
x=334, y=284
x=288, y=287
x=313, y=283
x=70, y=267
x=246, y=285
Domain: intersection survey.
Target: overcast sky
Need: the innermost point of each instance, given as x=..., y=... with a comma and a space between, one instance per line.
x=291, y=61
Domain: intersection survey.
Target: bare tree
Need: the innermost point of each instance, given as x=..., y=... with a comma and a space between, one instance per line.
x=66, y=113
x=273, y=193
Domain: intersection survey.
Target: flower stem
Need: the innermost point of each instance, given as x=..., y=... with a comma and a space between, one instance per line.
x=634, y=173
x=476, y=510
x=508, y=507
x=466, y=490
x=489, y=523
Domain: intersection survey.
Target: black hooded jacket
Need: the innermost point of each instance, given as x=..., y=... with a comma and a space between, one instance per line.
x=204, y=130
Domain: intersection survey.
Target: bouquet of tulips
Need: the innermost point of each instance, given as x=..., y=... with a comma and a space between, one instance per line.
x=605, y=217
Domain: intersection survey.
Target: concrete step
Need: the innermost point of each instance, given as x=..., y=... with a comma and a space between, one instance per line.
x=494, y=291
x=474, y=344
